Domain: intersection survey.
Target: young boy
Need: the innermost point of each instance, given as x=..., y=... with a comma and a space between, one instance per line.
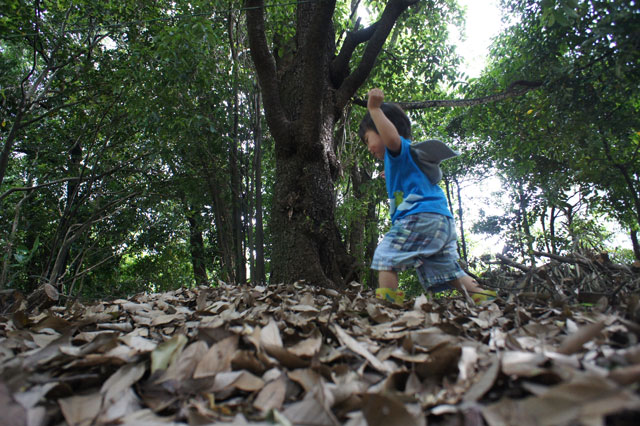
x=423, y=233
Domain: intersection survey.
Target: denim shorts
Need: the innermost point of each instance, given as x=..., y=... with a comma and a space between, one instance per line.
x=426, y=242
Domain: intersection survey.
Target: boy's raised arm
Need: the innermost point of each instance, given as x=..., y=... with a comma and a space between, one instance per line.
x=387, y=131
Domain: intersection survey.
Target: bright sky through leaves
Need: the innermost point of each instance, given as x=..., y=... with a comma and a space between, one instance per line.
x=482, y=24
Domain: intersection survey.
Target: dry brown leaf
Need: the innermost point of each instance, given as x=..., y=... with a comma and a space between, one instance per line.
x=121, y=380
x=308, y=347
x=13, y=414
x=270, y=335
x=272, y=395
x=167, y=352
x=485, y=383
x=381, y=410
x=81, y=410
x=356, y=347
x=127, y=402
x=522, y=364
x=185, y=364
x=573, y=342
x=626, y=375
x=138, y=344
x=310, y=412
x=242, y=380
x=48, y=353
x=161, y=319
x=217, y=359
x=306, y=378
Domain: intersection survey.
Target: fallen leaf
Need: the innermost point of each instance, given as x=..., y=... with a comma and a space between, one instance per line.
x=381, y=410
x=13, y=414
x=120, y=381
x=271, y=396
x=573, y=342
x=81, y=410
x=166, y=352
x=356, y=347
x=217, y=359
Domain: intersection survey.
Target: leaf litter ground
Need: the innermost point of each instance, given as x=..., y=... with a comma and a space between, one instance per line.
x=299, y=355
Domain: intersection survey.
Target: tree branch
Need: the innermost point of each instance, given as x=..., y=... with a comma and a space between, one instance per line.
x=30, y=188
x=517, y=88
x=340, y=65
x=266, y=69
x=392, y=11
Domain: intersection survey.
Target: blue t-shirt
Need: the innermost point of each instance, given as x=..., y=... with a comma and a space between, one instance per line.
x=408, y=188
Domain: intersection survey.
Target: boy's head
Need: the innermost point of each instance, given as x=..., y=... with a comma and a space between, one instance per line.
x=395, y=114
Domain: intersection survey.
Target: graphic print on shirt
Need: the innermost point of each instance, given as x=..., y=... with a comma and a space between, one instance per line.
x=401, y=204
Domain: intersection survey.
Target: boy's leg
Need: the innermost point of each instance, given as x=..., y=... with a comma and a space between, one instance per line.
x=388, y=279
x=468, y=285
x=387, y=287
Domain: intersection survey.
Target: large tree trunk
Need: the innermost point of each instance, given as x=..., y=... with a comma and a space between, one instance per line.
x=306, y=242
x=304, y=92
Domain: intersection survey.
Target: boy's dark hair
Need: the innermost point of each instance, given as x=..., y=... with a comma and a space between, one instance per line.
x=395, y=114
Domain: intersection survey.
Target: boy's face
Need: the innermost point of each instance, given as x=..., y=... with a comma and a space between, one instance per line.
x=374, y=144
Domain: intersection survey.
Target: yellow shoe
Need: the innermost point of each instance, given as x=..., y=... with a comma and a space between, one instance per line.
x=394, y=296
x=483, y=297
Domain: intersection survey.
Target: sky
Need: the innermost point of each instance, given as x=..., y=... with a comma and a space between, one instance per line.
x=482, y=23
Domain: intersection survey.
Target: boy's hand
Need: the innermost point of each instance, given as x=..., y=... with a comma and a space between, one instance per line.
x=375, y=98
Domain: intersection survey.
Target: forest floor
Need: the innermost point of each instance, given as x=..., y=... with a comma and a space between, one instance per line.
x=301, y=355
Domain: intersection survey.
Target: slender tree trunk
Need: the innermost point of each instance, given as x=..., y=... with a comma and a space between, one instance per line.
x=257, y=167
x=636, y=245
x=552, y=229
x=196, y=248
x=463, y=241
x=222, y=223
x=8, y=143
x=524, y=219
x=11, y=241
x=357, y=223
x=236, y=184
x=447, y=190
x=543, y=225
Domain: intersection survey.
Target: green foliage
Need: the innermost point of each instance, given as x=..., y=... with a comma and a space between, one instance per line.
x=575, y=133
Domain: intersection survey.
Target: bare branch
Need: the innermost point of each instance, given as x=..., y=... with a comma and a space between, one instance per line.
x=265, y=68
x=30, y=188
x=391, y=13
x=518, y=88
x=340, y=65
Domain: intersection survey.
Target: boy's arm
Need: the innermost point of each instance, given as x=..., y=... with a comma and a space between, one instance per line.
x=387, y=131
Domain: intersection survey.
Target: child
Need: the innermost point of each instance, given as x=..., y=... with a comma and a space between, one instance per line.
x=423, y=233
